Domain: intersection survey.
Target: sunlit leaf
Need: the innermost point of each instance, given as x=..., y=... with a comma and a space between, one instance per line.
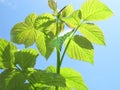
x=47, y=78
x=23, y=34
x=74, y=80
x=52, y=4
x=26, y=58
x=42, y=43
x=66, y=11
x=7, y=50
x=81, y=49
x=30, y=19
x=73, y=20
x=44, y=22
x=94, y=10
x=92, y=33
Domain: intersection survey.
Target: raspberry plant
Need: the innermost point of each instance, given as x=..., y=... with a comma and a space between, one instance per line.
x=44, y=31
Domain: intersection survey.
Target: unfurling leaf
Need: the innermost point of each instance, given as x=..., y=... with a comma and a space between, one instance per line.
x=52, y=4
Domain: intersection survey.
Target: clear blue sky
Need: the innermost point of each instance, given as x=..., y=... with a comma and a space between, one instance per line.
x=105, y=73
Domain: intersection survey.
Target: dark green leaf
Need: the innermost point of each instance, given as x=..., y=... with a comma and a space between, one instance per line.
x=26, y=58
x=7, y=50
x=47, y=78
x=12, y=80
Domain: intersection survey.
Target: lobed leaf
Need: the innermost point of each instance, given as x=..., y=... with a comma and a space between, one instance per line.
x=94, y=10
x=22, y=33
x=81, y=49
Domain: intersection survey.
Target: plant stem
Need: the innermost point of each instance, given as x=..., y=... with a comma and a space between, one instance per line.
x=58, y=52
x=74, y=31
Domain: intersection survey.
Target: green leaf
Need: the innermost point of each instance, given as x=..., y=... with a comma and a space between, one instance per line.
x=22, y=33
x=92, y=33
x=81, y=49
x=67, y=10
x=73, y=20
x=26, y=58
x=94, y=10
x=52, y=4
x=74, y=80
x=43, y=44
x=12, y=80
x=7, y=50
x=44, y=22
x=30, y=19
x=47, y=78
x=58, y=41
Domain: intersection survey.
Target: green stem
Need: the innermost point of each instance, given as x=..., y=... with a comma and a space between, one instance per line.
x=74, y=31
x=58, y=52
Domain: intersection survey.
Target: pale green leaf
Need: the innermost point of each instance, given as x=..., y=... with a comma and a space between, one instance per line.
x=74, y=80
x=12, y=80
x=42, y=43
x=73, y=20
x=44, y=22
x=92, y=33
x=26, y=58
x=52, y=4
x=30, y=19
x=47, y=78
x=94, y=10
x=7, y=50
x=67, y=10
x=81, y=49
x=22, y=33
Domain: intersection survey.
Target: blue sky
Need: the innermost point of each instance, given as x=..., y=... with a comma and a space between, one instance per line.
x=104, y=74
